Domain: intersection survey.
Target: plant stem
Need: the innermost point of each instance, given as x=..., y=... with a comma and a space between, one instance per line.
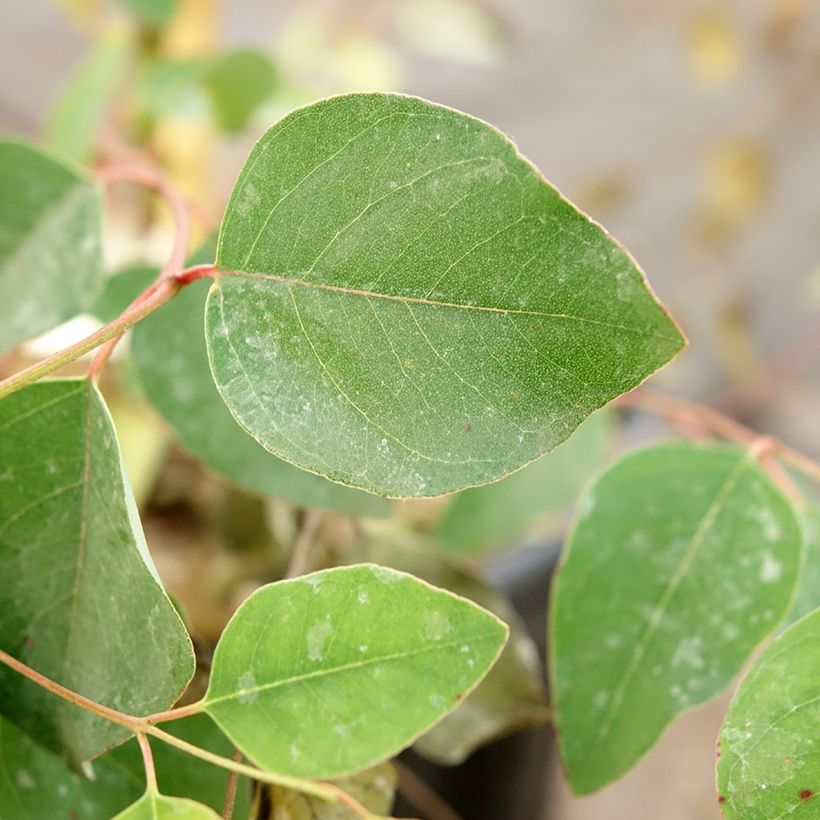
x=675, y=409
x=427, y=801
x=323, y=791
x=159, y=296
x=148, y=762
x=141, y=727
x=300, y=559
x=150, y=178
x=120, y=718
x=175, y=714
x=230, y=791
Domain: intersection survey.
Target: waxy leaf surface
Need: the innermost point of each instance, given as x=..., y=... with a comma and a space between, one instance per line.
x=324, y=675
x=683, y=558
x=769, y=765
x=409, y=308
x=169, y=351
x=82, y=602
x=50, y=246
x=158, y=807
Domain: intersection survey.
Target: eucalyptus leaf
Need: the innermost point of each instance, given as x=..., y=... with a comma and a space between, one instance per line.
x=683, y=558
x=169, y=352
x=50, y=242
x=86, y=607
x=513, y=695
x=154, y=806
x=493, y=516
x=373, y=788
x=769, y=765
x=77, y=116
x=406, y=306
x=327, y=674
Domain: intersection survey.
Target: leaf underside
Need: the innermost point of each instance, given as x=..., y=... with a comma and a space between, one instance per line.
x=82, y=603
x=683, y=558
x=409, y=308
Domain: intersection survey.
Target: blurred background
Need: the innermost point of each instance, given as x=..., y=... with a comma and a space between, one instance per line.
x=691, y=130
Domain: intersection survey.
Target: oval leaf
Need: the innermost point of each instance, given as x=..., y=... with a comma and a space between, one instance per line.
x=682, y=559
x=327, y=674
x=406, y=306
x=769, y=764
x=82, y=603
x=172, y=362
x=50, y=242
x=154, y=806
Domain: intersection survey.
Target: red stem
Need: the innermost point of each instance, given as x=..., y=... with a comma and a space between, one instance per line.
x=148, y=177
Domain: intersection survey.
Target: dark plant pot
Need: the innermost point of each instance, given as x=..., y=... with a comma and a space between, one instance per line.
x=505, y=780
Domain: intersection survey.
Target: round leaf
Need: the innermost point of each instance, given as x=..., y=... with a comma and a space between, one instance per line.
x=324, y=675
x=406, y=306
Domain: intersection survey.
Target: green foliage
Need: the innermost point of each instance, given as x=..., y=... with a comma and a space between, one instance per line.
x=683, y=558
x=512, y=695
x=236, y=83
x=490, y=517
x=410, y=308
x=152, y=12
x=769, y=751
x=807, y=598
x=35, y=784
x=154, y=806
x=172, y=362
x=50, y=245
x=86, y=606
x=74, y=121
x=326, y=674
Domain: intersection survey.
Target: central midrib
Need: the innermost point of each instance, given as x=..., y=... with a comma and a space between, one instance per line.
x=318, y=673
x=421, y=300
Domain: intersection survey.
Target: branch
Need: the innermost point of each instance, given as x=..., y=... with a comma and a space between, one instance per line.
x=300, y=557
x=148, y=762
x=680, y=410
x=230, y=790
x=149, y=178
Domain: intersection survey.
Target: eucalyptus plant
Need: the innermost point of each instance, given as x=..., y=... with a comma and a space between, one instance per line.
x=399, y=306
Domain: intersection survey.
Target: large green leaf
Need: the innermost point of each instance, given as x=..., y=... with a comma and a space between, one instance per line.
x=493, y=516
x=81, y=601
x=409, y=308
x=153, y=806
x=34, y=784
x=50, y=247
x=769, y=764
x=682, y=559
x=170, y=355
x=512, y=695
x=329, y=673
